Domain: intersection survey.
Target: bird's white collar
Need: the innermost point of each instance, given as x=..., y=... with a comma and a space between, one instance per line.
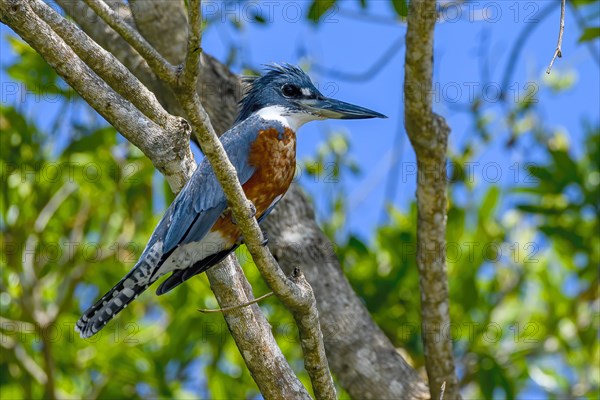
x=288, y=118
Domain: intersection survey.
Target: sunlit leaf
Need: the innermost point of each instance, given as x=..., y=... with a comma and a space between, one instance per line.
x=589, y=34
x=401, y=7
x=318, y=8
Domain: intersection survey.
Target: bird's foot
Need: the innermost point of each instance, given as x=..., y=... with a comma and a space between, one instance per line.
x=252, y=213
x=265, y=239
x=231, y=216
x=252, y=209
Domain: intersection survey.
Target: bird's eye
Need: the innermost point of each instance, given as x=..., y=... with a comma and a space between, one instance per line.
x=290, y=91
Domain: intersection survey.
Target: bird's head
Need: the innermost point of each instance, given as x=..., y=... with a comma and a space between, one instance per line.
x=286, y=93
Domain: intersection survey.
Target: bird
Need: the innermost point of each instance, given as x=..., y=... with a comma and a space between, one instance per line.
x=198, y=230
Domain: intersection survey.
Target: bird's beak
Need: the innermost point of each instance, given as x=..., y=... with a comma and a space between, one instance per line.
x=335, y=109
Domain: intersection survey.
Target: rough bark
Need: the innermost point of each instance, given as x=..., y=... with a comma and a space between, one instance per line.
x=428, y=133
x=219, y=91
x=362, y=357
x=104, y=64
x=171, y=17
x=276, y=382
x=253, y=335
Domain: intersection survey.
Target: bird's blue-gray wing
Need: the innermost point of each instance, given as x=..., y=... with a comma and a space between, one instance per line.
x=191, y=215
x=202, y=201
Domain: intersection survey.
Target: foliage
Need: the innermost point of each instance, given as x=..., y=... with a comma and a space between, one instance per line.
x=524, y=283
x=72, y=225
x=330, y=163
x=522, y=263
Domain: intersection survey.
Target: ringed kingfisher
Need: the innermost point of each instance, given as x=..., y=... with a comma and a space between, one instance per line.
x=198, y=229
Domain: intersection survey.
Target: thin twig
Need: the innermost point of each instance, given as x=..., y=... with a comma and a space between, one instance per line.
x=225, y=309
x=558, y=51
x=155, y=60
x=519, y=44
x=442, y=390
x=191, y=68
x=105, y=65
x=52, y=206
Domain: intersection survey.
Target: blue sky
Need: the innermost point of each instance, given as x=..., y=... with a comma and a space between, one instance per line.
x=472, y=52
x=472, y=47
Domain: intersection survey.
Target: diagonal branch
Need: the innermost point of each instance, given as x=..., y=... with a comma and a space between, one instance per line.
x=253, y=335
x=155, y=60
x=105, y=65
x=428, y=133
x=296, y=294
x=351, y=336
x=191, y=65
x=362, y=357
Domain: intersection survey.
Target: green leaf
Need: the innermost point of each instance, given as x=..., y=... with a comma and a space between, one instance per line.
x=589, y=34
x=260, y=19
x=31, y=69
x=401, y=8
x=90, y=143
x=580, y=3
x=318, y=8
x=489, y=202
x=357, y=245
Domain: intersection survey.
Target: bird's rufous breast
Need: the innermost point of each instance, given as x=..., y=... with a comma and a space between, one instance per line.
x=273, y=155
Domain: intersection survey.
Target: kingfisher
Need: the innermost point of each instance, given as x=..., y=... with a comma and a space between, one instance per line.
x=198, y=229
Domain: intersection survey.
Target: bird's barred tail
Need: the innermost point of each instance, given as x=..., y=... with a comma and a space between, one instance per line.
x=106, y=308
x=113, y=302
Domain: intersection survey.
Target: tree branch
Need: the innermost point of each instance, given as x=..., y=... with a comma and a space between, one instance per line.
x=170, y=17
x=561, y=30
x=109, y=39
x=352, y=336
x=428, y=134
x=191, y=65
x=355, y=336
x=105, y=65
x=155, y=60
x=362, y=357
x=253, y=335
x=235, y=307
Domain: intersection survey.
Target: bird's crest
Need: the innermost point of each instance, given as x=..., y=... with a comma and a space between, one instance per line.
x=257, y=94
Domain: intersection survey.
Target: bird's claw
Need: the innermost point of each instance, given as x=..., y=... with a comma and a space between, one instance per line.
x=265, y=239
x=252, y=209
x=251, y=215
x=231, y=216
